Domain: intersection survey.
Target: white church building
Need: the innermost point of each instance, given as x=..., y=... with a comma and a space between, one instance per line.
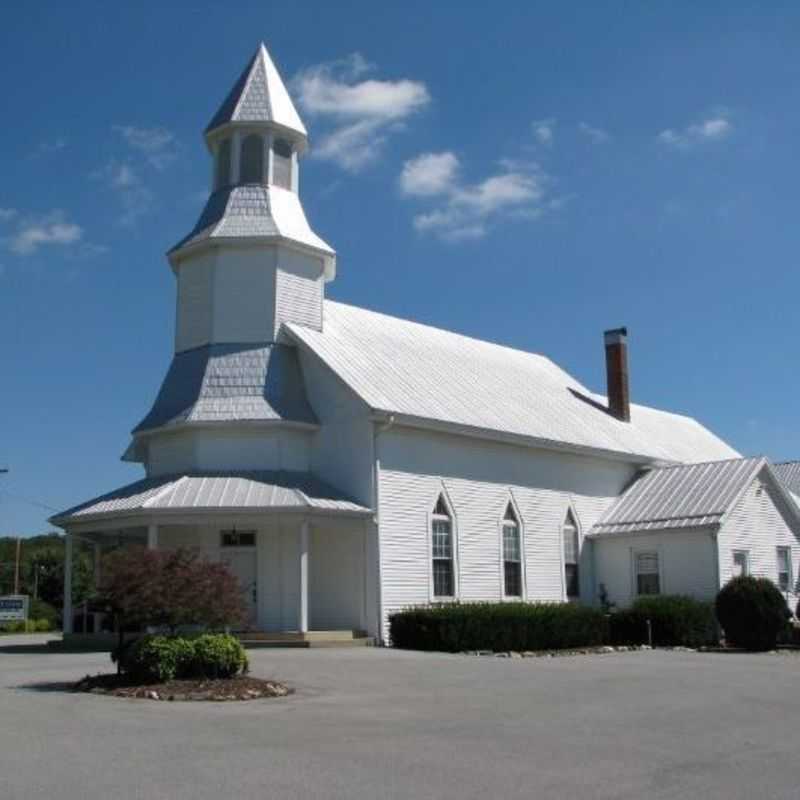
x=347, y=464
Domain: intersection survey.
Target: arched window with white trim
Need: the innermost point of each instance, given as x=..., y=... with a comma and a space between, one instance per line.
x=569, y=534
x=252, y=162
x=512, y=554
x=442, y=551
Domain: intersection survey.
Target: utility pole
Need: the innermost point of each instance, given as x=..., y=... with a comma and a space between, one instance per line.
x=16, y=566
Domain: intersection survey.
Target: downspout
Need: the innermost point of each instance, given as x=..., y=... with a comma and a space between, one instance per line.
x=378, y=429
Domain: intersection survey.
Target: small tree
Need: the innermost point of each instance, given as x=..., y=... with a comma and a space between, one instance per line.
x=752, y=612
x=168, y=589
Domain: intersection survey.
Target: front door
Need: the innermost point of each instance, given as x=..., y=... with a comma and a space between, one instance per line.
x=241, y=561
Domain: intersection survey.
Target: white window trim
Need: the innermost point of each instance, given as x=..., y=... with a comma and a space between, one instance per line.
x=512, y=598
x=746, y=554
x=570, y=510
x=790, y=587
x=638, y=551
x=430, y=517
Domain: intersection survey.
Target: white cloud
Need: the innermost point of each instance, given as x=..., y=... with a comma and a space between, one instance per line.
x=544, y=130
x=517, y=191
x=429, y=174
x=597, y=135
x=363, y=113
x=157, y=145
x=51, y=229
x=135, y=198
x=712, y=128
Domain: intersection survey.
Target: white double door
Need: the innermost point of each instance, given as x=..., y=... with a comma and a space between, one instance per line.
x=243, y=564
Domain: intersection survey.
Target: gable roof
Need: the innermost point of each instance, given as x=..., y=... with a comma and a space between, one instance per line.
x=259, y=95
x=216, y=491
x=788, y=473
x=685, y=496
x=224, y=382
x=423, y=374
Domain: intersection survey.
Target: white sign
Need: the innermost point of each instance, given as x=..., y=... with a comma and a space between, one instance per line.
x=14, y=608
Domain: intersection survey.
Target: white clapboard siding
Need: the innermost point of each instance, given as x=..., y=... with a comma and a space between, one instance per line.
x=299, y=289
x=478, y=479
x=759, y=523
x=687, y=563
x=341, y=450
x=193, y=326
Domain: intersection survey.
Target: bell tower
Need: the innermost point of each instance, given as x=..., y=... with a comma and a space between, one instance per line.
x=252, y=261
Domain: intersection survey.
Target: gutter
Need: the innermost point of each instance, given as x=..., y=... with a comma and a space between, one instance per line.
x=519, y=439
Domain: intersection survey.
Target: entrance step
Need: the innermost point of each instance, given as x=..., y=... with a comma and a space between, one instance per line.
x=256, y=639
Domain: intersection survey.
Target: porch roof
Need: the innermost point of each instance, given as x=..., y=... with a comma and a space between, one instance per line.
x=216, y=492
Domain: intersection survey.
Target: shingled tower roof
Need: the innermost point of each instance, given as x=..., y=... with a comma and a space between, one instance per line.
x=259, y=96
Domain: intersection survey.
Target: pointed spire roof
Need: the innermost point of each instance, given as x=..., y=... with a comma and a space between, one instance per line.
x=259, y=96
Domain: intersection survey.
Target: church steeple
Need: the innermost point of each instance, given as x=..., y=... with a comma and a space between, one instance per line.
x=252, y=260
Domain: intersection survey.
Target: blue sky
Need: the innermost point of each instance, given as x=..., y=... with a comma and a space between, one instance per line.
x=531, y=174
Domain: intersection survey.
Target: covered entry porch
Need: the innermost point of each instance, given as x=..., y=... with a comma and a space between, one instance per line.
x=301, y=552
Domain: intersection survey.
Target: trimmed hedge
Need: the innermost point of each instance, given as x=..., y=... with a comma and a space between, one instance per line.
x=155, y=659
x=753, y=613
x=675, y=620
x=498, y=626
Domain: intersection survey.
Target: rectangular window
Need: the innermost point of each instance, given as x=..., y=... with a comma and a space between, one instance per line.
x=571, y=576
x=442, y=552
x=234, y=538
x=512, y=560
x=784, y=569
x=647, y=577
x=741, y=563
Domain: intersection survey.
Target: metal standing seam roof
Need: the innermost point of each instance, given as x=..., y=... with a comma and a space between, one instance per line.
x=405, y=368
x=259, y=95
x=685, y=496
x=788, y=473
x=223, y=491
x=231, y=382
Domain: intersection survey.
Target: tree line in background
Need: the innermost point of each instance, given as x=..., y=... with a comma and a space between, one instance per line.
x=41, y=570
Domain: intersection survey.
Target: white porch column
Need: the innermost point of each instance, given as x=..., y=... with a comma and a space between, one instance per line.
x=302, y=600
x=67, y=609
x=152, y=536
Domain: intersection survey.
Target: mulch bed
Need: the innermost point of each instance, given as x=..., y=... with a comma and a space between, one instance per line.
x=242, y=687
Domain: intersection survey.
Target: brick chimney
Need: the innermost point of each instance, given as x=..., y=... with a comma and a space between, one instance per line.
x=619, y=399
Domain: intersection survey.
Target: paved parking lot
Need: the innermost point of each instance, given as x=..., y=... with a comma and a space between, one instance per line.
x=369, y=723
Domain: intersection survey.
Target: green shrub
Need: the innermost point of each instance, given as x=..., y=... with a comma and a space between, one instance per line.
x=42, y=625
x=218, y=655
x=752, y=612
x=675, y=620
x=498, y=627
x=40, y=610
x=152, y=659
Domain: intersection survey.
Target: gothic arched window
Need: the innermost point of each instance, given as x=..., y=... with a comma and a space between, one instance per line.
x=282, y=163
x=569, y=533
x=252, y=163
x=512, y=554
x=442, y=550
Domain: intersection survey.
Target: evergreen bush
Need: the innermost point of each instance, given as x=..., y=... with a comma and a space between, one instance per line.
x=498, y=627
x=675, y=621
x=752, y=612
